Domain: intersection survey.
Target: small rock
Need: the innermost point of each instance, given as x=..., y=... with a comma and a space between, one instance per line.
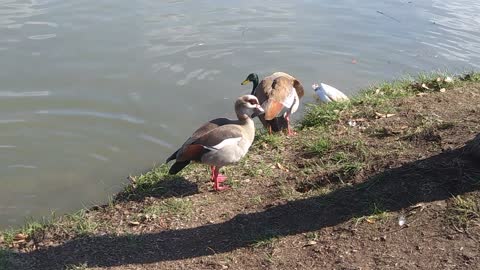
x=383, y=238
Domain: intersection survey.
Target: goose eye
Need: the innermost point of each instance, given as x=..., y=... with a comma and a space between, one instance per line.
x=253, y=101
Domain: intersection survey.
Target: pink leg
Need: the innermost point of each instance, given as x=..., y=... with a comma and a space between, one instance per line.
x=290, y=131
x=218, y=178
x=212, y=169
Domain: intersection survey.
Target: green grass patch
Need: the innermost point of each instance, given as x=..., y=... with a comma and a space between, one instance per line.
x=471, y=77
x=174, y=206
x=319, y=146
x=463, y=211
x=378, y=215
x=29, y=229
x=151, y=183
x=274, y=140
x=79, y=223
x=323, y=115
x=378, y=98
x=312, y=236
x=267, y=240
x=256, y=200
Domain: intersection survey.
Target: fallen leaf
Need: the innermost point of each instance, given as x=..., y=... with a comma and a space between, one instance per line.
x=421, y=94
x=133, y=223
x=448, y=80
x=281, y=167
x=310, y=243
x=439, y=79
x=424, y=86
x=443, y=90
x=371, y=221
x=418, y=205
x=20, y=236
x=360, y=120
x=383, y=115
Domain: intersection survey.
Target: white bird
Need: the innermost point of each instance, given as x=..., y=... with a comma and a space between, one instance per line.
x=328, y=93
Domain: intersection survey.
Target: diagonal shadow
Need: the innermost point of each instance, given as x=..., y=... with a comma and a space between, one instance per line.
x=435, y=178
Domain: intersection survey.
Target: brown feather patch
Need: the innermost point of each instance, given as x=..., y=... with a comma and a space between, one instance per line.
x=191, y=152
x=299, y=88
x=272, y=109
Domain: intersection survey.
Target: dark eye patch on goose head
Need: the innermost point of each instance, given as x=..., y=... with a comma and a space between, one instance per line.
x=253, y=101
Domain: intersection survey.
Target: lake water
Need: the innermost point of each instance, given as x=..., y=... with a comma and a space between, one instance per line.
x=92, y=91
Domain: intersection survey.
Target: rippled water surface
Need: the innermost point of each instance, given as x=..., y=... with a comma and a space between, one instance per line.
x=92, y=91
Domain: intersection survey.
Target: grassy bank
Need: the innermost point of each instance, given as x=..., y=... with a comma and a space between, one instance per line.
x=333, y=196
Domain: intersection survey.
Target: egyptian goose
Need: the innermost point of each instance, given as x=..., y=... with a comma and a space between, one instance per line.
x=328, y=93
x=220, y=142
x=280, y=95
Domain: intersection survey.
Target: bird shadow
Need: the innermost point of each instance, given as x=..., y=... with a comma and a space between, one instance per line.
x=435, y=178
x=157, y=186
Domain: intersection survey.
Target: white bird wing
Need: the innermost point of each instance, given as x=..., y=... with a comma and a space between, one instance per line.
x=288, y=102
x=332, y=93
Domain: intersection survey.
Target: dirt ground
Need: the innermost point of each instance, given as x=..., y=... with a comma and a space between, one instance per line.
x=396, y=192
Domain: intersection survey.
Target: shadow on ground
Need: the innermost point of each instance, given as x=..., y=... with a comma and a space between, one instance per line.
x=169, y=186
x=435, y=178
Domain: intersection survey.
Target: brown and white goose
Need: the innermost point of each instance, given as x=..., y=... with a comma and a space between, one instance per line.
x=221, y=141
x=280, y=95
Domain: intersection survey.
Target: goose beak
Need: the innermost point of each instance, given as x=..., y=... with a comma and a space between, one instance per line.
x=257, y=111
x=245, y=82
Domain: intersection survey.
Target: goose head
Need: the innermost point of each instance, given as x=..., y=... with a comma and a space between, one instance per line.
x=247, y=106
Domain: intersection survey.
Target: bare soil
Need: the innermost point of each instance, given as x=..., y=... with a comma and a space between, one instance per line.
x=392, y=199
